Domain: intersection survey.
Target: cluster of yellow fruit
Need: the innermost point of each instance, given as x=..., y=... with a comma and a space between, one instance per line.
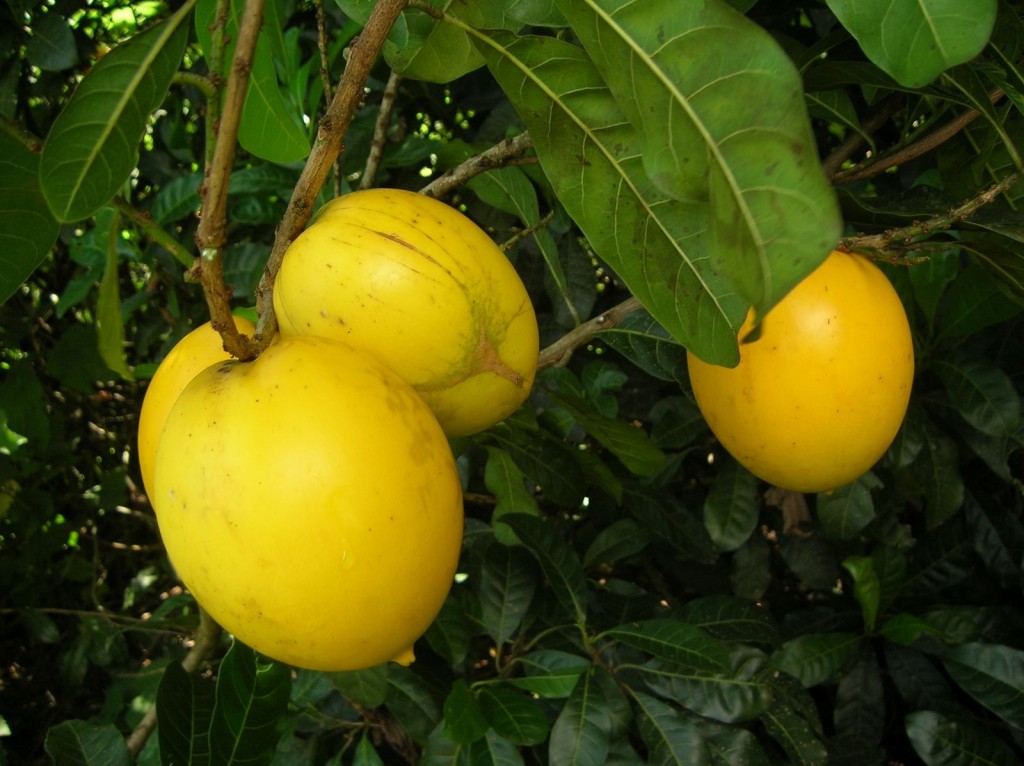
x=309, y=499
x=820, y=394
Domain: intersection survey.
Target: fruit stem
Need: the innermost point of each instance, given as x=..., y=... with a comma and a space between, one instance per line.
x=328, y=145
x=210, y=235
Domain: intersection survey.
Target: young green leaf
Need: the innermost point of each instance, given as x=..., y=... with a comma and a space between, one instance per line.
x=27, y=228
x=184, y=708
x=916, y=40
x=251, y=695
x=94, y=143
x=728, y=131
x=867, y=588
x=550, y=673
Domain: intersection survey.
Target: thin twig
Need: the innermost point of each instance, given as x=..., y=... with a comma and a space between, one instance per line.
x=495, y=157
x=13, y=129
x=921, y=147
x=330, y=137
x=380, y=131
x=873, y=123
x=155, y=232
x=213, y=221
x=207, y=636
x=522, y=234
x=325, y=76
x=889, y=240
x=560, y=352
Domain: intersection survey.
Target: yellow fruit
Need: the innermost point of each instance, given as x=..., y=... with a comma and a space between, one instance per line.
x=818, y=397
x=414, y=281
x=190, y=356
x=311, y=503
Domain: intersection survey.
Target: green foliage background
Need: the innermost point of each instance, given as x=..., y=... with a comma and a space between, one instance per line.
x=627, y=594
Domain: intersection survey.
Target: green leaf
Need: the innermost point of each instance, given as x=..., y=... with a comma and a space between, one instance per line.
x=732, y=619
x=816, y=658
x=585, y=143
x=251, y=695
x=557, y=559
x=938, y=472
x=580, y=736
x=52, y=45
x=514, y=716
x=843, y=513
x=919, y=682
x=27, y=228
x=506, y=481
x=867, y=588
x=464, y=721
x=993, y=675
x=184, y=708
x=643, y=341
x=270, y=128
x=508, y=580
x=93, y=144
x=974, y=301
x=719, y=129
x=946, y=741
x=732, y=507
x=78, y=743
x=739, y=695
x=619, y=540
x=860, y=711
x=629, y=444
x=787, y=726
x=670, y=738
x=675, y=641
x=916, y=40
x=550, y=673
x=109, y=323
x=982, y=393
x=494, y=750
x=411, y=701
x=367, y=687
x=366, y=754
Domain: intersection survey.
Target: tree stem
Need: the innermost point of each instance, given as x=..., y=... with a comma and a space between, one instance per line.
x=326, y=148
x=559, y=352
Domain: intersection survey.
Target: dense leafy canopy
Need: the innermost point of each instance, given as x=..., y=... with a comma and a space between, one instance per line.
x=627, y=593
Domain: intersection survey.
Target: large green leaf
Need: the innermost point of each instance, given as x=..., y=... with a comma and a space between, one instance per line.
x=732, y=507
x=591, y=156
x=464, y=721
x=844, y=512
x=251, y=695
x=647, y=344
x=270, y=128
x=670, y=737
x=508, y=580
x=675, y=641
x=580, y=735
x=994, y=675
x=184, y=706
x=109, y=322
x=916, y=40
x=731, y=619
x=514, y=715
x=550, y=673
x=93, y=145
x=719, y=130
x=944, y=741
x=27, y=228
x=79, y=743
x=557, y=559
x=982, y=393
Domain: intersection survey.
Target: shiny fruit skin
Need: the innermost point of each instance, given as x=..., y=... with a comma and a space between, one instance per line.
x=189, y=356
x=819, y=396
x=310, y=502
x=415, y=282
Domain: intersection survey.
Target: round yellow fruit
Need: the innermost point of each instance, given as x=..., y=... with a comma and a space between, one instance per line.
x=190, y=356
x=820, y=394
x=311, y=504
x=413, y=281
